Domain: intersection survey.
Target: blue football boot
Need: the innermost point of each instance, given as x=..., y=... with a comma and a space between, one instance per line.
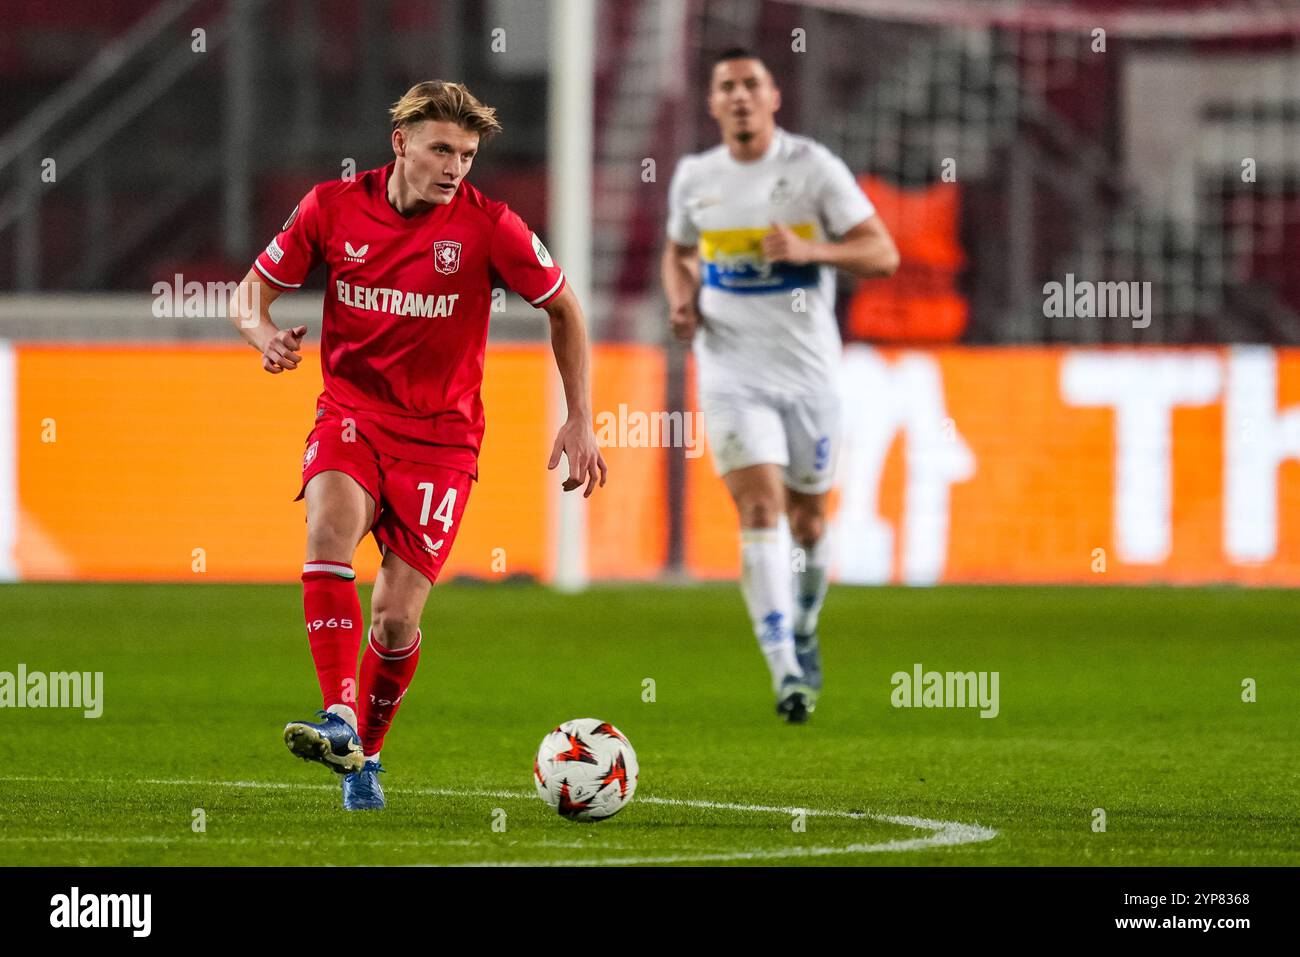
x=795, y=700
x=331, y=741
x=362, y=790
x=809, y=655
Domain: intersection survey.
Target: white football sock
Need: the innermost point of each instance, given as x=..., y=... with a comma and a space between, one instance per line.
x=810, y=585
x=373, y=757
x=344, y=712
x=769, y=595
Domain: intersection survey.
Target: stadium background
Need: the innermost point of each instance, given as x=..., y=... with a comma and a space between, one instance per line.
x=985, y=440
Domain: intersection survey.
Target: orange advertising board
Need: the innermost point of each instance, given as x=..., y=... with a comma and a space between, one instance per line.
x=1098, y=466
x=957, y=464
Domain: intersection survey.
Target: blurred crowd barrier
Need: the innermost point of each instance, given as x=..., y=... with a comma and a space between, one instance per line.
x=959, y=464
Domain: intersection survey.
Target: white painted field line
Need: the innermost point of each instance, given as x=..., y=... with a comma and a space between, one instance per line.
x=943, y=833
x=957, y=834
x=205, y=839
x=167, y=839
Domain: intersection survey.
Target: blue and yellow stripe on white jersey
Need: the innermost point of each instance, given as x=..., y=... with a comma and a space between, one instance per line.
x=732, y=260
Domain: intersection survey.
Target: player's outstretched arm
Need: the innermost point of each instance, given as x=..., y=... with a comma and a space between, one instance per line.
x=680, y=271
x=866, y=251
x=250, y=312
x=575, y=440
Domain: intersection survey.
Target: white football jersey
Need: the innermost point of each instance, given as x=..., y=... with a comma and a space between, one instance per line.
x=767, y=326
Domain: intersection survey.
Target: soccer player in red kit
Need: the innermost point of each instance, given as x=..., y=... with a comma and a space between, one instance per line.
x=411, y=250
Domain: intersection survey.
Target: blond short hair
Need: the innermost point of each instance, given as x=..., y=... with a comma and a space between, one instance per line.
x=448, y=102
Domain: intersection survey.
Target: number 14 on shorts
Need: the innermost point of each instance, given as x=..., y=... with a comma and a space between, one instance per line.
x=443, y=514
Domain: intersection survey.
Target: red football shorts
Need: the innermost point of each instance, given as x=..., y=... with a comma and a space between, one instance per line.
x=418, y=507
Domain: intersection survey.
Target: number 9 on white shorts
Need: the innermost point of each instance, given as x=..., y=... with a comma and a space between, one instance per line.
x=798, y=433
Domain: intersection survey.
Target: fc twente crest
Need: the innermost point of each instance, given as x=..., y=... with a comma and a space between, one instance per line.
x=446, y=256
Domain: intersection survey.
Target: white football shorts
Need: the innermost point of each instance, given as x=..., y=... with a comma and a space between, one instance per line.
x=798, y=433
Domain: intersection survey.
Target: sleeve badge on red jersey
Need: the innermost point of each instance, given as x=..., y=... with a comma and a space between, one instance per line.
x=543, y=255
x=310, y=455
x=446, y=256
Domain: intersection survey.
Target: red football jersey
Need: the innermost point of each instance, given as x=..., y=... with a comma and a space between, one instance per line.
x=407, y=304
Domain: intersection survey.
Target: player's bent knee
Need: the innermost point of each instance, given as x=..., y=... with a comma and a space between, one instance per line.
x=334, y=533
x=393, y=629
x=807, y=527
x=758, y=512
x=332, y=541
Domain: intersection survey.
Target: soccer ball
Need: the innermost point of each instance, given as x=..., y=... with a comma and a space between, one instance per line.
x=586, y=770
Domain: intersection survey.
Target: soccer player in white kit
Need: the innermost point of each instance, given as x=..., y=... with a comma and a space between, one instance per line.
x=757, y=227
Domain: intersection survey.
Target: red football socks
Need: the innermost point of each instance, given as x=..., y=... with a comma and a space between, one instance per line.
x=385, y=675
x=333, y=611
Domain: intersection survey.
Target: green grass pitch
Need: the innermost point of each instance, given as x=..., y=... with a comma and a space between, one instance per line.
x=1127, y=700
